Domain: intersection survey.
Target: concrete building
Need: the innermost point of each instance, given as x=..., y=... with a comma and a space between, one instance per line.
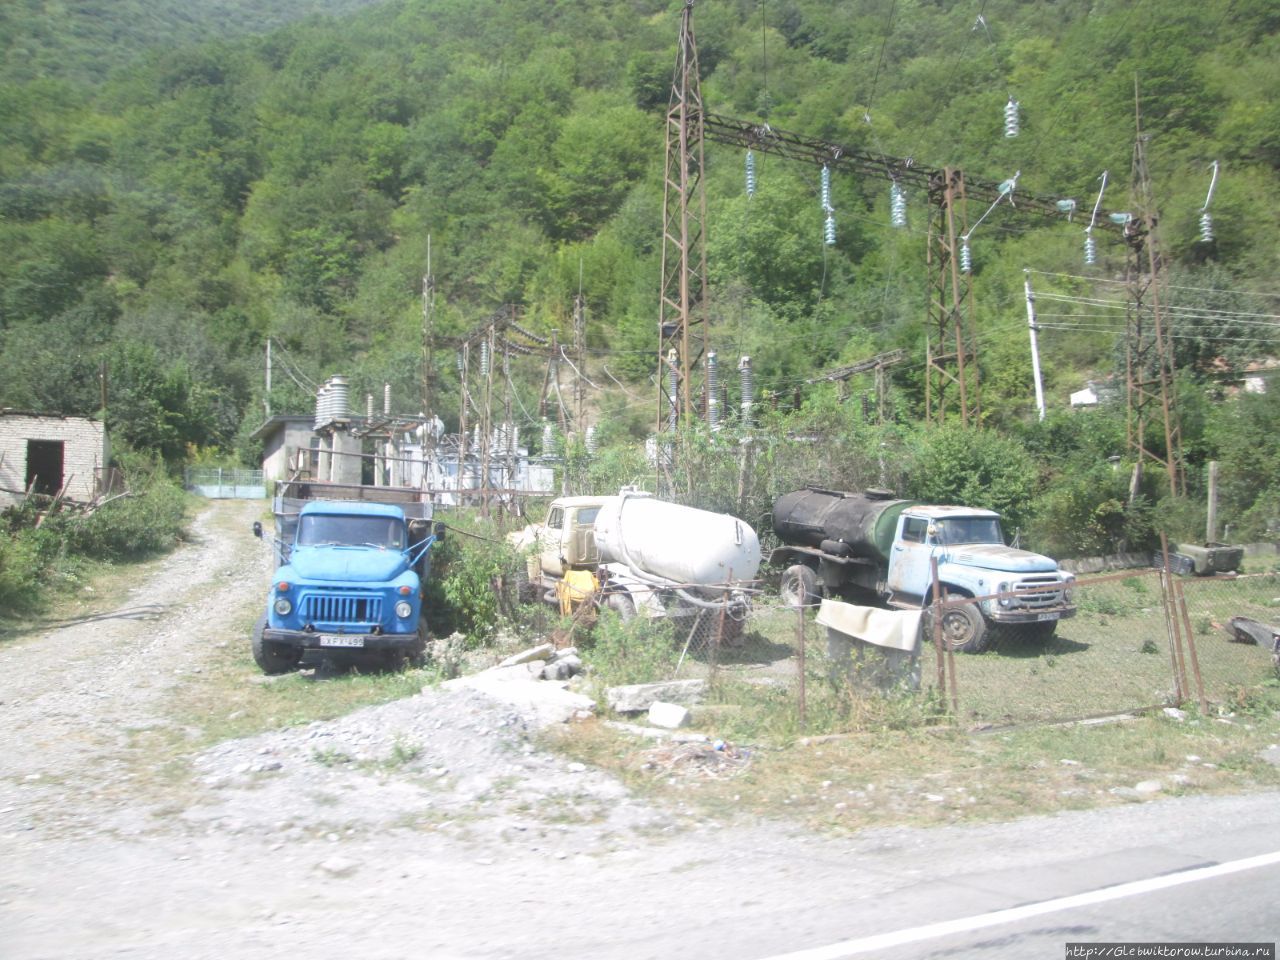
x=288, y=442
x=51, y=454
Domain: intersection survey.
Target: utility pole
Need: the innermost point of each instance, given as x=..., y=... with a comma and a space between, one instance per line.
x=1149, y=341
x=682, y=317
x=951, y=373
x=266, y=400
x=1035, y=347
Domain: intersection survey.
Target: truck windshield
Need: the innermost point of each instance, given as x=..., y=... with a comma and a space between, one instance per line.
x=968, y=530
x=326, y=529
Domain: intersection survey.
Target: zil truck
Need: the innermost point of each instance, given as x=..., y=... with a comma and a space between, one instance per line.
x=641, y=556
x=869, y=546
x=349, y=577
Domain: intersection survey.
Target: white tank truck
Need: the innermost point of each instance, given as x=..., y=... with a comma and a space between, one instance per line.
x=640, y=556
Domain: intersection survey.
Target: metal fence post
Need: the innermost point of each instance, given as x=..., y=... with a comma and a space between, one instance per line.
x=800, y=641
x=1180, y=599
x=1171, y=625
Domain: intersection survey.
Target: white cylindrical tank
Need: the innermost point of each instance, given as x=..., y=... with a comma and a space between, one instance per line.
x=680, y=544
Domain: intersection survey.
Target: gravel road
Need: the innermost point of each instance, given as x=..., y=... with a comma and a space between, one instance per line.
x=434, y=826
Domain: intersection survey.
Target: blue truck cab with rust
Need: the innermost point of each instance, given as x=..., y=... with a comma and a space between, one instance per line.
x=349, y=579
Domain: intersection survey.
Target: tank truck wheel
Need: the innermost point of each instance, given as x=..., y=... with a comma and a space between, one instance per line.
x=963, y=629
x=799, y=586
x=622, y=605
x=271, y=657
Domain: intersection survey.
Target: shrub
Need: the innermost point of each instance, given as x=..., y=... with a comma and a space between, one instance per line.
x=640, y=650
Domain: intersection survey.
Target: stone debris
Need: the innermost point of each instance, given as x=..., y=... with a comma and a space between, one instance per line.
x=672, y=716
x=543, y=651
x=522, y=681
x=638, y=697
x=339, y=867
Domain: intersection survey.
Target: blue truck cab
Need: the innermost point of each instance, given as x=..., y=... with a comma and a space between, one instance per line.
x=349, y=578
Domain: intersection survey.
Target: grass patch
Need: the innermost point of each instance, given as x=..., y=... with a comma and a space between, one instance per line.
x=922, y=776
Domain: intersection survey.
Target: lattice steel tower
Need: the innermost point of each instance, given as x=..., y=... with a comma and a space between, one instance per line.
x=682, y=318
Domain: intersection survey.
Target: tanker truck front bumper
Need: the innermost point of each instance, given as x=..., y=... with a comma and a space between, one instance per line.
x=315, y=640
x=1040, y=615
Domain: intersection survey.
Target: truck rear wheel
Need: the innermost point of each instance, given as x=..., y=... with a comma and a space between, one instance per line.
x=798, y=586
x=963, y=628
x=271, y=657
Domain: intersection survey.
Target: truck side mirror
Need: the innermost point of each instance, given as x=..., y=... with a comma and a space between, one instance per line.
x=439, y=531
x=257, y=529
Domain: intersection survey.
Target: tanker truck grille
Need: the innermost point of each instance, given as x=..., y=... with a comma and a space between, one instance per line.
x=342, y=608
x=1043, y=591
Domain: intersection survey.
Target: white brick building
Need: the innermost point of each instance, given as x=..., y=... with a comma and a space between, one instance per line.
x=48, y=453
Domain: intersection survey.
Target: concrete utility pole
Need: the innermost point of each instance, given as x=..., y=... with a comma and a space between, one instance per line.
x=1035, y=347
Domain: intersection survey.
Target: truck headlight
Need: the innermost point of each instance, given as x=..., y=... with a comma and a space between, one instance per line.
x=403, y=609
x=1067, y=587
x=1003, y=590
x=283, y=607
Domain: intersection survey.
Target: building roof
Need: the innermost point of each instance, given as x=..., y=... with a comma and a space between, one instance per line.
x=280, y=420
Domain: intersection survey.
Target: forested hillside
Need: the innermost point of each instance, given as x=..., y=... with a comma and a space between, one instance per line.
x=167, y=205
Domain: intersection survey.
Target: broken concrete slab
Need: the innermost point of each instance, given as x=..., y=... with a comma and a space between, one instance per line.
x=638, y=697
x=671, y=716
x=540, y=652
x=548, y=702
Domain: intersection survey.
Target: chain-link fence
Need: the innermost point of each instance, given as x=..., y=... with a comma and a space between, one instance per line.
x=1138, y=640
x=1233, y=624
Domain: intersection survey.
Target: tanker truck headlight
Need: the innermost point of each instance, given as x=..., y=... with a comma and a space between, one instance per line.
x=403, y=609
x=1005, y=599
x=283, y=607
x=1067, y=588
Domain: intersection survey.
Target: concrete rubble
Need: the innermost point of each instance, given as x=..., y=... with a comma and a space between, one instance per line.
x=536, y=680
x=639, y=697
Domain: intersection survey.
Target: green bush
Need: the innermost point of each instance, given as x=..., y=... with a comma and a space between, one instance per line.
x=462, y=591
x=640, y=650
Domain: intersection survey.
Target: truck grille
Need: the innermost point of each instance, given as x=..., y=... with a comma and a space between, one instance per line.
x=342, y=608
x=1039, y=592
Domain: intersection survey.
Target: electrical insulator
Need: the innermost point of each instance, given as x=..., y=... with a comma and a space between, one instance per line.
x=829, y=230
x=590, y=440
x=1067, y=206
x=484, y=358
x=966, y=256
x=897, y=206
x=826, y=189
x=713, y=391
x=1011, y=118
x=1090, y=249
x=1206, y=228
x=746, y=390
x=673, y=389
x=458, y=360
x=751, y=174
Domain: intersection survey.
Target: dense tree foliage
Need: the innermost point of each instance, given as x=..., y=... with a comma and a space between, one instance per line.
x=180, y=183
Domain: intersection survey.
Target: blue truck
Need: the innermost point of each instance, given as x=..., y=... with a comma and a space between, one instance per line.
x=349, y=578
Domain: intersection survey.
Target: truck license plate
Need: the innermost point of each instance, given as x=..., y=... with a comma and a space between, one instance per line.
x=1046, y=616
x=329, y=640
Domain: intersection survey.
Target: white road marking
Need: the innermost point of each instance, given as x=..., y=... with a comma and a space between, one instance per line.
x=882, y=941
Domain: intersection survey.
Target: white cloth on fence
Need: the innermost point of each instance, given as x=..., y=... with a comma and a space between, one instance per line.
x=896, y=629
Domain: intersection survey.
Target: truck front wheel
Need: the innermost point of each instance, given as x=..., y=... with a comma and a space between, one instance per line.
x=272, y=657
x=798, y=586
x=963, y=628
